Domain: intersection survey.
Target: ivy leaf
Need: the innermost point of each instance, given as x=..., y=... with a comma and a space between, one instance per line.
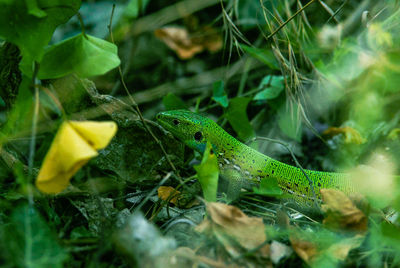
x=31, y=243
x=219, y=95
x=30, y=25
x=237, y=117
x=273, y=86
x=84, y=55
x=207, y=174
x=173, y=102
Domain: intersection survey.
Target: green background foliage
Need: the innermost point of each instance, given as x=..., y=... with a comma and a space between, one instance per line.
x=302, y=77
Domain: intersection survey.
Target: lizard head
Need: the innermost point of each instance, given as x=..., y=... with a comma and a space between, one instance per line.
x=191, y=128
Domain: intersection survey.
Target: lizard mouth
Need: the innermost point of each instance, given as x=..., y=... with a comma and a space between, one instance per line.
x=168, y=122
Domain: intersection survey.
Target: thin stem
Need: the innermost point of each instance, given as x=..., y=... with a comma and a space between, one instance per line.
x=135, y=105
x=152, y=192
x=82, y=25
x=32, y=143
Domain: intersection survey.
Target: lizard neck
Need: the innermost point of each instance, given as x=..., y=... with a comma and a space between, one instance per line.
x=234, y=155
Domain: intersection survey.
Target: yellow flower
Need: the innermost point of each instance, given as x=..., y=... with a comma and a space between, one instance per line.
x=75, y=143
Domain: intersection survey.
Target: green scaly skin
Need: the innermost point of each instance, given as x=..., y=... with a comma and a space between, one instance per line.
x=195, y=130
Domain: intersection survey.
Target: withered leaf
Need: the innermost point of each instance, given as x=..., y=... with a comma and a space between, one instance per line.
x=351, y=135
x=186, y=44
x=341, y=213
x=230, y=225
x=168, y=193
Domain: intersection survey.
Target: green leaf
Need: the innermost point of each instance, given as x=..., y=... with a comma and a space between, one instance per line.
x=173, y=102
x=273, y=86
x=268, y=187
x=219, y=95
x=34, y=10
x=237, y=117
x=30, y=242
x=250, y=12
x=207, y=174
x=264, y=55
x=133, y=8
x=30, y=25
x=84, y=55
x=290, y=122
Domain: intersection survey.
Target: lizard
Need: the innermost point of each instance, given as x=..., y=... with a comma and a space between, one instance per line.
x=236, y=158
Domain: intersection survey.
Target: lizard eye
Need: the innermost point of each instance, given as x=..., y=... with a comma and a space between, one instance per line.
x=198, y=136
x=176, y=122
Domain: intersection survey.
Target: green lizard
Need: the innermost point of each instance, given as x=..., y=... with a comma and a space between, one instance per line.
x=235, y=157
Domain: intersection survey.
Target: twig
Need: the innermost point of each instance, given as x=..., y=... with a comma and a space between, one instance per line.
x=135, y=105
x=152, y=192
x=310, y=182
x=32, y=143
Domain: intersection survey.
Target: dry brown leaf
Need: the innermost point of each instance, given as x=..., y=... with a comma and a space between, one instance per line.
x=230, y=225
x=351, y=135
x=186, y=45
x=341, y=213
x=168, y=193
x=394, y=134
x=173, y=196
x=310, y=252
x=341, y=250
x=306, y=250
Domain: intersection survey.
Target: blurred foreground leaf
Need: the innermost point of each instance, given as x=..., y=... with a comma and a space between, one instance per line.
x=351, y=135
x=376, y=180
x=74, y=145
x=323, y=249
x=143, y=243
x=232, y=228
x=341, y=213
x=30, y=242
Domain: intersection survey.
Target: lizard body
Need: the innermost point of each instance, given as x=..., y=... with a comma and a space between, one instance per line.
x=195, y=130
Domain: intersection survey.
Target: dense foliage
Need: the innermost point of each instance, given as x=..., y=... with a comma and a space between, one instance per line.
x=319, y=79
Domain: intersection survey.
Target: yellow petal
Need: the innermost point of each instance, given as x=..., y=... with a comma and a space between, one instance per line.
x=71, y=150
x=98, y=134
